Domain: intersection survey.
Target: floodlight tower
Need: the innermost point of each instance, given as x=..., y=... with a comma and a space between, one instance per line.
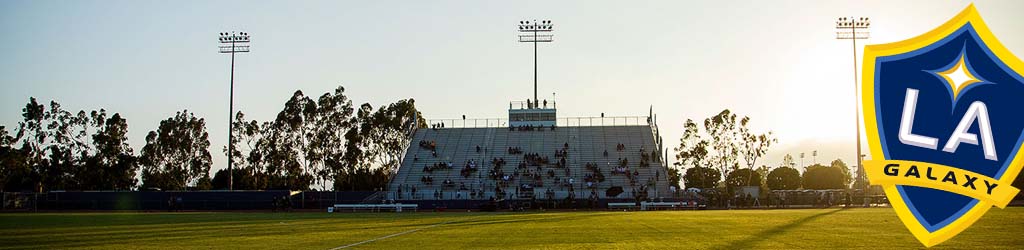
x=530, y=33
x=232, y=43
x=850, y=28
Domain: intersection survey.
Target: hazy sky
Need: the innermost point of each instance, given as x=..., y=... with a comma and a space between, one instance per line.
x=778, y=62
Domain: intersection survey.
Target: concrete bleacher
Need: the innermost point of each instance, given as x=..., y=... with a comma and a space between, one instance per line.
x=587, y=144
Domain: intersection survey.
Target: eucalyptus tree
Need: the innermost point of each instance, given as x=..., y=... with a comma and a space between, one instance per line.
x=177, y=154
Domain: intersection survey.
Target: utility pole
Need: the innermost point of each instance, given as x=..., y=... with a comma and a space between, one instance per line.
x=530, y=34
x=850, y=28
x=236, y=43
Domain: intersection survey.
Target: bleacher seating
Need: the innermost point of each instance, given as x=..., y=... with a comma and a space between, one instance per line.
x=458, y=146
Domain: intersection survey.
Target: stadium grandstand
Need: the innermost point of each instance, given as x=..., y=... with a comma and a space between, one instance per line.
x=533, y=158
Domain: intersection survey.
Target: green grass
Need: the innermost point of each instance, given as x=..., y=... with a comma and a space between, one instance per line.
x=876, y=228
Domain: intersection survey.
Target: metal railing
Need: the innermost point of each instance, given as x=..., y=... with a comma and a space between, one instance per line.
x=560, y=122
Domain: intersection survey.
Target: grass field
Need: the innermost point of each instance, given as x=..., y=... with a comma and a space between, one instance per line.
x=876, y=228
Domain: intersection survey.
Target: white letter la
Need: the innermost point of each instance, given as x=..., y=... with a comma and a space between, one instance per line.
x=977, y=111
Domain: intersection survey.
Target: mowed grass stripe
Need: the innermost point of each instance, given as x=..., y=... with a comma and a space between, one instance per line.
x=876, y=228
x=227, y=230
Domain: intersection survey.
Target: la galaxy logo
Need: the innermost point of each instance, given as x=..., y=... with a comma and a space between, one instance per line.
x=944, y=113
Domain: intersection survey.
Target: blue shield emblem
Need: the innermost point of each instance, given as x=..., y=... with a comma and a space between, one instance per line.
x=944, y=114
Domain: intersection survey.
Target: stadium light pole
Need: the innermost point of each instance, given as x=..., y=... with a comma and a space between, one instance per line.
x=232, y=43
x=530, y=33
x=853, y=28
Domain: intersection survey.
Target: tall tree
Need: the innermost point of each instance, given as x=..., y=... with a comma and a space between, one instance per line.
x=32, y=134
x=335, y=120
x=177, y=153
x=693, y=149
x=844, y=169
x=787, y=161
x=15, y=173
x=784, y=178
x=295, y=127
x=249, y=155
x=741, y=178
x=753, y=146
x=722, y=129
x=702, y=177
x=375, y=147
x=55, y=142
x=389, y=132
x=355, y=154
x=818, y=176
x=66, y=150
x=112, y=166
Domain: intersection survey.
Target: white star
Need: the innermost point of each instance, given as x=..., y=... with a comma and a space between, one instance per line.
x=958, y=77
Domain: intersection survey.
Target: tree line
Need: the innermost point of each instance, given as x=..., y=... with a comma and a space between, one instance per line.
x=324, y=143
x=712, y=155
x=722, y=151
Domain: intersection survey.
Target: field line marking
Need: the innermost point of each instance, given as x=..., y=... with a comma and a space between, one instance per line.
x=393, y=235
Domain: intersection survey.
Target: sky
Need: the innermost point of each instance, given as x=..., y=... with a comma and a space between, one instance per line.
x=777, y=62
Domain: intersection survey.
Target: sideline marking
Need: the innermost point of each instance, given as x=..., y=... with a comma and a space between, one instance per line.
x=393, y=235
